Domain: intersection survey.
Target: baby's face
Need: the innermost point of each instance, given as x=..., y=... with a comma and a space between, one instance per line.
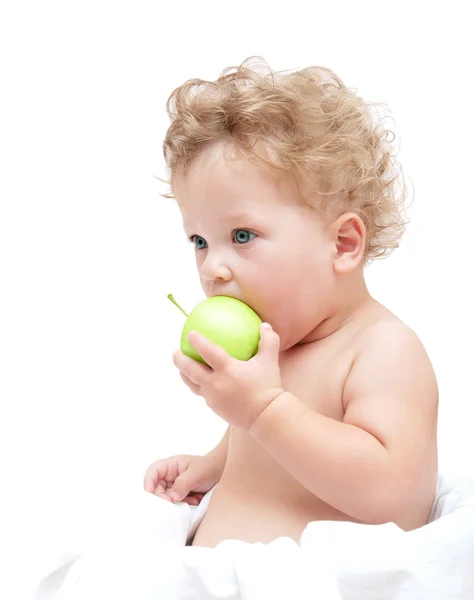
x=257, y=241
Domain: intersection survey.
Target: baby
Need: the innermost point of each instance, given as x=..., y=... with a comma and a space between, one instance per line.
x=288, y=188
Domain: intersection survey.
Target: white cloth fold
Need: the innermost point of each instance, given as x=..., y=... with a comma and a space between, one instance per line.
x=146, y=559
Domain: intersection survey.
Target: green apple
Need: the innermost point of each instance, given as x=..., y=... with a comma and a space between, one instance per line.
x=227, y=322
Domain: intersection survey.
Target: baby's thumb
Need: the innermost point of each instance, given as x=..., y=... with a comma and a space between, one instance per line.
x=269, y=344
x=183, y=485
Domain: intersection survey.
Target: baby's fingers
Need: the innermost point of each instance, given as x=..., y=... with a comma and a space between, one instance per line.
x=149, y=485
x=163, y=496
x=193, y=499
x=196, y=389
x=160, y=470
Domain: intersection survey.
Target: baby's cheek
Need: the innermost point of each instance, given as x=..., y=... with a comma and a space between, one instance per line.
x=269, y=294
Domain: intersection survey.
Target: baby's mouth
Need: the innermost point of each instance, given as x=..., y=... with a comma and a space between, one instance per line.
x=212, y=294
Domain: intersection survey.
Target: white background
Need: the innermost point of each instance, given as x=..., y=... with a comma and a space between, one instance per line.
x=89, y=250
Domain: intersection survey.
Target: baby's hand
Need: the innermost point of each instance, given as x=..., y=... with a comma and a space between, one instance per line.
x=183, y=478
x=237, y=391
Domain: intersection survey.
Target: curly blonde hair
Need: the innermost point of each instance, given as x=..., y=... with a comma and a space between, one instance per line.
x=305, y=123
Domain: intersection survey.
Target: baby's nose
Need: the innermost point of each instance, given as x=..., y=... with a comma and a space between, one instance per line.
x=215, y=268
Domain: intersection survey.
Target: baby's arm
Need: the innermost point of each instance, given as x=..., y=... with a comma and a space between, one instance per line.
x=370, y=465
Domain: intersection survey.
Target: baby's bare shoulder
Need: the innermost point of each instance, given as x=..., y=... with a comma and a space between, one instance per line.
x=392, y=362
x=387, y=331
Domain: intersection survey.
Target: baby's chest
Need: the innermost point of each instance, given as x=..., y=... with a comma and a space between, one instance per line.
x=315, y=375
x=316, y=378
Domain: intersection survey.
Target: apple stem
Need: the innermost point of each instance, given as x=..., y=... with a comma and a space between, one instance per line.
x=170, y=296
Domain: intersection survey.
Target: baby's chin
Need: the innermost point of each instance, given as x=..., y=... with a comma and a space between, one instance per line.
x=294, y=334
x=286, y=346
x=288, y=338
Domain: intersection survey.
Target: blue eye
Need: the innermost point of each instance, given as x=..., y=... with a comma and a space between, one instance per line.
x=199, y=242
x=242, y=236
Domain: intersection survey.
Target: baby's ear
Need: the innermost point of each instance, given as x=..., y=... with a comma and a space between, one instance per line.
x=350, y=238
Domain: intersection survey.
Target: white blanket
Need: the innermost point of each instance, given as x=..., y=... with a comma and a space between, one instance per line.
x=146, y=558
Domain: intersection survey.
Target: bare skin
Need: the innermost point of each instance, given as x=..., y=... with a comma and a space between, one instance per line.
x=347, y=430
x=257, y=500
